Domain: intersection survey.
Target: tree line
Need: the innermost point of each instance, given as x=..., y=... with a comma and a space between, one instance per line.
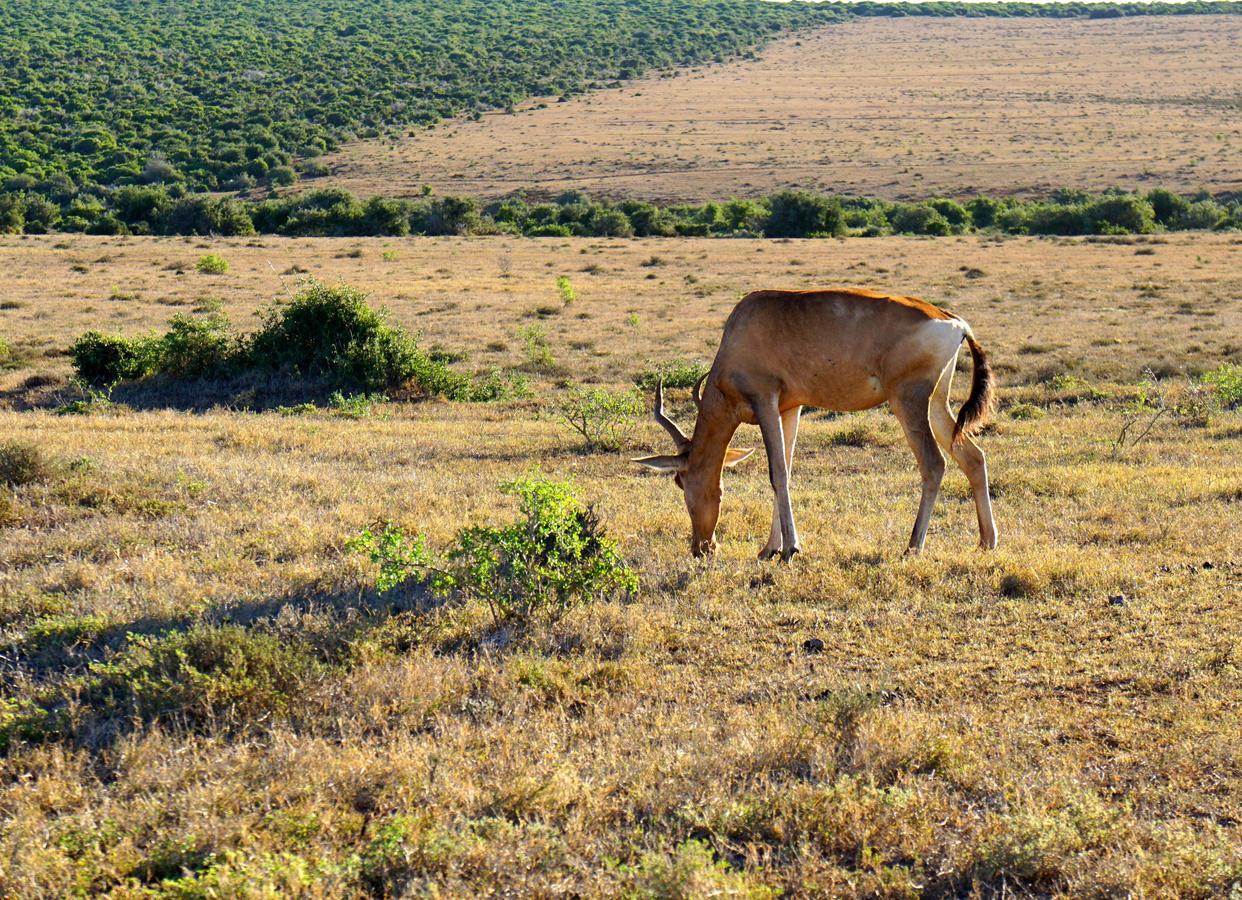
x=335, y=212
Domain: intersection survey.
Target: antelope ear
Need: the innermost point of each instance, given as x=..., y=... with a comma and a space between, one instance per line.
x=733, y=457
x=669, y=463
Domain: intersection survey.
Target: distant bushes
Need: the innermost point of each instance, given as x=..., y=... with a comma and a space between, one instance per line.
x=152, y=209
x=325, y=333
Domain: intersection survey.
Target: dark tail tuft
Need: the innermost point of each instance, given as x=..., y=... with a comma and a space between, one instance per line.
x=978, y=406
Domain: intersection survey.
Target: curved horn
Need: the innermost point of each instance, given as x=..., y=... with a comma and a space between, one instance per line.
x=669, y=425
x=697, y=393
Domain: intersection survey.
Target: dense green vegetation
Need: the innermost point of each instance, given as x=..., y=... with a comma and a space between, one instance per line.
x=226, y=94
x=326, y=335
x=336, y=212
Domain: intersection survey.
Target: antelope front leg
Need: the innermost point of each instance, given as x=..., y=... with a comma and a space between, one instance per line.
x=769, y=417
x=789, y=432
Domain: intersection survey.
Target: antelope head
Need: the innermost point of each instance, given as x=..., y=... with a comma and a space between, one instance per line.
x=696, y=469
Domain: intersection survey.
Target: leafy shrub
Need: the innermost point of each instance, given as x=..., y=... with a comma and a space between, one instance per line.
x=1125, y=214
x=1226, y=383
x=201, y=673
x=1167, y=206
x=197, y=348
x=1203, y=215
x=566, y=290
x=104, y=360
x=798, y=214
x=984, y=211
x=553, y=558
x=603, y=418
x=916, y=218
x=953, y=212
x=212, y=264
x=21, y=463
x=538, y=351
x=331, y=332
x=351, y=406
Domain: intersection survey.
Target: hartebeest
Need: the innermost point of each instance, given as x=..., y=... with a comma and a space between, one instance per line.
x=842, y=350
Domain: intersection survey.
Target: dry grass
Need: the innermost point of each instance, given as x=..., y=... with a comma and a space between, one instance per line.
x=986, y=722
x=880, y=107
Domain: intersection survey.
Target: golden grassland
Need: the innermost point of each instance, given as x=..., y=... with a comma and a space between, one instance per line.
x=896, y=108
x=986, y=723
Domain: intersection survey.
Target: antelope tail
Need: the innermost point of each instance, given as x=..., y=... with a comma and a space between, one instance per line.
x=978, y=406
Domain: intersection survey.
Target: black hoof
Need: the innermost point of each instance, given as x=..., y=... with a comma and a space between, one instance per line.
x=787, y=555
x=766, y=554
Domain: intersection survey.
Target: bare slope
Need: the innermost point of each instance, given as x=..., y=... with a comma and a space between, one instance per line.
x=889, y=107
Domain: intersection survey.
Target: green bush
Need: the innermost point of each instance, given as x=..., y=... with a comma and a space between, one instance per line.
x=212, y=264
x=200, y=674
x=327, y=333
x=799, y=214
x=1226, y=383
x=197, y=348
x=602, y=418
x=103, y=360
x=1124, y=214
x=984, y=211
x=553, y=558
x=916, y=218
x=1167, y=206
x=330, y=332
x=953, y=212
x=1203, y=215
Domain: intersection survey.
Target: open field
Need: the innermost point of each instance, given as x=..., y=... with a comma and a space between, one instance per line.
x=986, y=723
x=896, y=108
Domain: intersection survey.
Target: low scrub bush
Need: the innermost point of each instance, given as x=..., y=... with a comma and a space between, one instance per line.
x=331, y=332
x=102, y=360
x=197, y=348
x=554, y=557
x=1226, y=383
x=21, y=464
x=601, y=417
x=326, y=333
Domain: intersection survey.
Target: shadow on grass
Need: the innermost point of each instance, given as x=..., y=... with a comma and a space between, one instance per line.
x=87, y=683
x=251, y=392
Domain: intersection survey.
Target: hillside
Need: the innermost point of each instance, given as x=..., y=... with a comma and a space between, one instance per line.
x=896, y=108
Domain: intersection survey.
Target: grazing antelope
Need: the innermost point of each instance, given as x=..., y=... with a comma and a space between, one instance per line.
x=838, y=349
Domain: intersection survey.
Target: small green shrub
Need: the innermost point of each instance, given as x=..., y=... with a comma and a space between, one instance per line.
x=602, y=418
x=197, y=348
x=22, y=463
x=1226, y=383
x=1125, y=214
x=797, y=214
x=566, y=290
x=538, y=351
x=918, y=218
x=354, y=406
x=212, y=264
x=330, y=332
x=1022, y=411
x=104, y=360
x=554, y=557
x=202, y=673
